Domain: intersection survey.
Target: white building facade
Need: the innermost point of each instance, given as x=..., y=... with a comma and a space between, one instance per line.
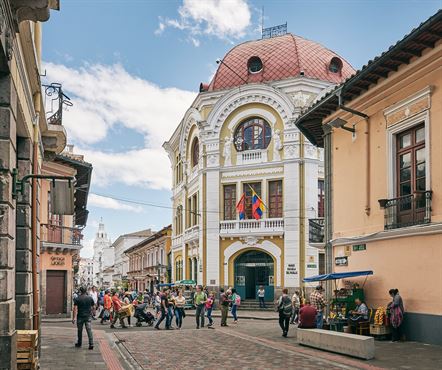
x=237, y=137
x=86, y=272
x=103, y=256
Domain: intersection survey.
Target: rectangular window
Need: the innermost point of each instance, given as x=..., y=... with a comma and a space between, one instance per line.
x=229, y=202
x=275, y=199
x=320, y=198
x=195, y=209
x=247, y=188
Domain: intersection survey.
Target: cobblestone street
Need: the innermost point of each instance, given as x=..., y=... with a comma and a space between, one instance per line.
x=251, y=344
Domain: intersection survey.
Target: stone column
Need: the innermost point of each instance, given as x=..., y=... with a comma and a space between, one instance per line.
x=23, y=289
x=8, y=117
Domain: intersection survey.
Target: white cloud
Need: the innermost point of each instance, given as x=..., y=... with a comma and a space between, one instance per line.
x=225, y=19
x=107, y=95
x=110, y=203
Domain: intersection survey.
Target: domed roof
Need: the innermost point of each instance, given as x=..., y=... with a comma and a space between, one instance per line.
x=281, y=57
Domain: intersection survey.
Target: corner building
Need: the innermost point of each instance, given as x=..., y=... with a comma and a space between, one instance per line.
x=240, y=134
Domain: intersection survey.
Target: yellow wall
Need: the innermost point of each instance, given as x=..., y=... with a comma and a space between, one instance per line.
x=226, y=132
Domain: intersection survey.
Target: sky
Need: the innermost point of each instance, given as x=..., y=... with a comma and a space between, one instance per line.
x=133, y=67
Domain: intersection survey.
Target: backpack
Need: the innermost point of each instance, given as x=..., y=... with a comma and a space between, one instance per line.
x=238, y=300
x=285, y=307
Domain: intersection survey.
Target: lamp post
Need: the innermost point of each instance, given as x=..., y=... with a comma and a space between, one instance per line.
x=159, y=269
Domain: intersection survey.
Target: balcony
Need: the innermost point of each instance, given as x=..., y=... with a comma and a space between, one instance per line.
x=59, y=237
x=251, y=157
x=269, y=226
x=316, y=231
x=408, y=210
x=177, y=241
x=191, y=234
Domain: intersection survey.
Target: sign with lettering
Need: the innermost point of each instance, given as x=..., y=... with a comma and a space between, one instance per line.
x=291, y=269
x=58, y=260
x=359, y=247
x=341, y=261
x=311, y=265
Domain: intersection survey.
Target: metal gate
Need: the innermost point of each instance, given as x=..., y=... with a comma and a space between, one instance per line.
x=253, y=269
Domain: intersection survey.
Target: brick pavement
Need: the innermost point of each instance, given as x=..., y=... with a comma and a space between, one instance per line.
x=58, y=351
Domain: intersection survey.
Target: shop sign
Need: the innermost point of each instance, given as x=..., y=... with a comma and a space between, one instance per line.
x=58, y=260
x=347, y=250
x=359, y=247
x=341, y=261
x=291, y=269
x=311, y=265
x=240, y=280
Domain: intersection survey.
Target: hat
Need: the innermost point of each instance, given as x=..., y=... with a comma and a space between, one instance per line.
x=319, y=287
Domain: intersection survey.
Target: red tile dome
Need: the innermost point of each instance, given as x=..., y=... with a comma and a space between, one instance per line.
x=281, y=57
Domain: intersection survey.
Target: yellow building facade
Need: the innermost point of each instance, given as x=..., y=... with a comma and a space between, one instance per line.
x=237, y=137
x=384, y=179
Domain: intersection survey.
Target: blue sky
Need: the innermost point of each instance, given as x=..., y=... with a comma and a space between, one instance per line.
x=133, y=67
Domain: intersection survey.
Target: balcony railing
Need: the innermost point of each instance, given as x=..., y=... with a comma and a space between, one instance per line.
x=60, y=234
x=57, y=99
x=191, y=233
x=269, y=226
x=408, y=210
x=251, y=156
x=177, y=240
x=316, y=230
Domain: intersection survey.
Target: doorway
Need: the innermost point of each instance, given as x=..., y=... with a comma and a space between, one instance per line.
x=55, y=292
x=253, y=269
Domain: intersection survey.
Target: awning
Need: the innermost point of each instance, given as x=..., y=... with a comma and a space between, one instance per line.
x=165, y=285
x=337, y=275
x=185, y=282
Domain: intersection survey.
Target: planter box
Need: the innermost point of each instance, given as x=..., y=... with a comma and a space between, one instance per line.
x=380, y=330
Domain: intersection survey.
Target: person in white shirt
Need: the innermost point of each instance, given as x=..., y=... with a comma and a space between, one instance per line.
x=296, y=302
x=261, y=295
x=94, y=294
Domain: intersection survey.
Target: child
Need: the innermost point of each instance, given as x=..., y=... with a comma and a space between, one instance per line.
x=209, y=308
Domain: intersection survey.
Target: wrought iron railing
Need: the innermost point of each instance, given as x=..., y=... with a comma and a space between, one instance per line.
x=60, y=234
x=58, y=98
x=316, y=230
x=408, y=210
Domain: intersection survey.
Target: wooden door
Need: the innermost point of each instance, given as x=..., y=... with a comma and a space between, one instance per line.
x=55, y=292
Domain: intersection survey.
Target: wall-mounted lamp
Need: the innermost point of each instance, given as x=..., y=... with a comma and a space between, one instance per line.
x=340, y=123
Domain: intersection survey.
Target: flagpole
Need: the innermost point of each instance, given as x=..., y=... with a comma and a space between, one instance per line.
x=253, y=190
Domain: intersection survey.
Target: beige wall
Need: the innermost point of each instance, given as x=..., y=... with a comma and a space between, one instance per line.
x=350, y=156
x=412, y=265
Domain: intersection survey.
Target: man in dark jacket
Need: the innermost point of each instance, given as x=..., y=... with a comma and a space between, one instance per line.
x=83, y=305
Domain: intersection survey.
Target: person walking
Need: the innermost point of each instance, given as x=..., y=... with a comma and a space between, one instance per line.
x=236, y=300
x=180, y=301
x=116, y=304
x=200, y=301
x=107, y=305
x=296, y=303
x=163, y=309
x=83, y=306
x=396, y=308
x=224, y=302
x=209, y=308
x=285, y=308
x=94, y=294
x=317, y=300
x=170, y=311
x=261, y=296
x=157, y=304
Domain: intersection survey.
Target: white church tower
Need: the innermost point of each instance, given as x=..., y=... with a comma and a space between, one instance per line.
x=101, y=244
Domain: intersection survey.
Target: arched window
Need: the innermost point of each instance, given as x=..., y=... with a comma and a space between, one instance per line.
x=195, y=152
x=335, y=65
x=254, y=65
x=254, y=133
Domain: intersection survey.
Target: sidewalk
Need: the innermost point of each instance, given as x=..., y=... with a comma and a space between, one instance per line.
x=58, y=351
x=244, y=314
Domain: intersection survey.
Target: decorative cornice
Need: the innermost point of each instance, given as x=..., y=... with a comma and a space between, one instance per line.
x=260, y=171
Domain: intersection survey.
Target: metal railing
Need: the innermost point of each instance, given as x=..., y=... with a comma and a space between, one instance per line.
x=60, y=234
x=316, y=230
x=408, y=210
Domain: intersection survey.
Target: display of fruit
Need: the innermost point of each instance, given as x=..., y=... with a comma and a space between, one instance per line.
x=380, y=316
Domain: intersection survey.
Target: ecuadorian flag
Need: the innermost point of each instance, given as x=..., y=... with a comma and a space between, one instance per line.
x=257, y=206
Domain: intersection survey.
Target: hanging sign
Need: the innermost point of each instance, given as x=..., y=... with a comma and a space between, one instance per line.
x=359, y=247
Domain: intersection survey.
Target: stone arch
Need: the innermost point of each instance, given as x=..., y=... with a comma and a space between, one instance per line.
x=191, y=118
x=250, y=94
x=238, y=247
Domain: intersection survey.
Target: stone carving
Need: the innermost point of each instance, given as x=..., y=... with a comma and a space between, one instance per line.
x=301, y=99
x=250, y=241
x=227, y=152
x=277, y=145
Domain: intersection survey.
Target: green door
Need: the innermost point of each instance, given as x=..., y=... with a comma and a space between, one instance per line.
x=252, y=269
